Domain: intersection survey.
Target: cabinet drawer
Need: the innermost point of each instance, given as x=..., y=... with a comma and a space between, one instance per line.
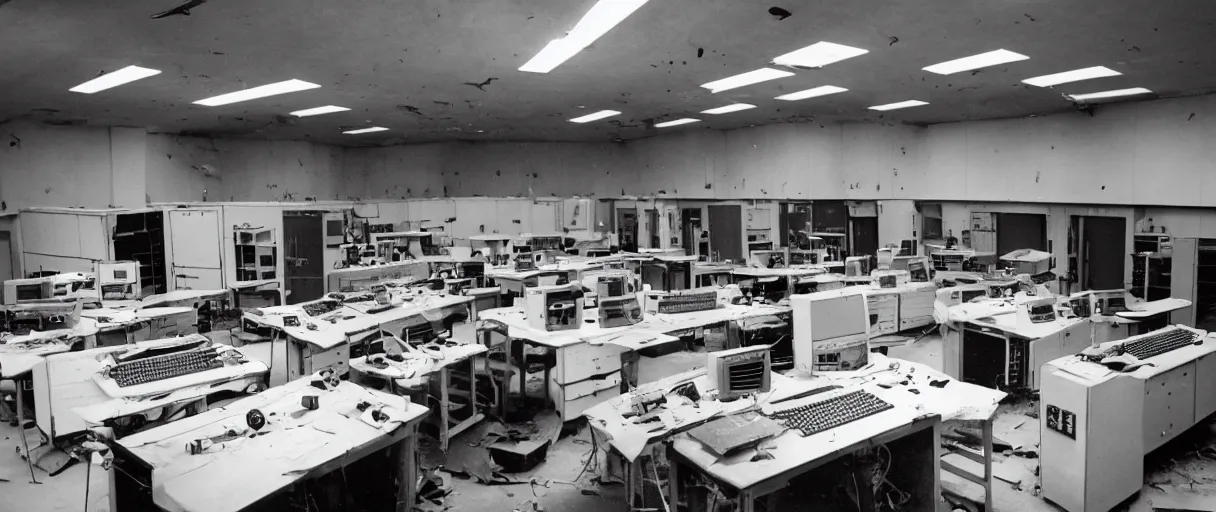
x=591, y=386
x=572, y=409
x=580, y=362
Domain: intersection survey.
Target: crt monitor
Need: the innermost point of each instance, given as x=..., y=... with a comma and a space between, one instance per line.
x=740, y=372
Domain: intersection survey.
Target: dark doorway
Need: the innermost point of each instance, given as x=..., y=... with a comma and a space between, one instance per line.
x=726, y=232
x=1103, y=251
x=1020, y=231
x=627, y=229
x=829, y=216
x=864, y=237
x=690, y=229
x=652, y=228
x=795, y=222
x=304, y=253
x=141, y=237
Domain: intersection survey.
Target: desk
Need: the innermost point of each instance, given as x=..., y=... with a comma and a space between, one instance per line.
x=588, y=368
x=294, y=446
x=913, y=439
x=363, y=277
x=955, y=401
x=400, y=376
x=324, y=339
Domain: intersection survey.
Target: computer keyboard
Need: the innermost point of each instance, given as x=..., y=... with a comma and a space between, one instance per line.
x=142, y=371
x=833, y=412
x=679, y=302
x=1152, y=345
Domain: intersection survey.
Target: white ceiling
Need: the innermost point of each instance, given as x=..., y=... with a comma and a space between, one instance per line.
x=404, y=64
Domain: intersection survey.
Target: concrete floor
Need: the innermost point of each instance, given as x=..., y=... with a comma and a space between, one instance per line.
x=1177, y=469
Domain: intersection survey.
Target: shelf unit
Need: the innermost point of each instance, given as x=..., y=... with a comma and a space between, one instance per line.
x=256, y=254
x=1152, y=262
x=141, y=237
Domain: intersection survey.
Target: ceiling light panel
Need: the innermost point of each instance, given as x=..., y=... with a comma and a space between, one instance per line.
x=110, y=80
x=263, y=91
x=729, y=108
x=822, y=90
x=1108, y=94
x=982, y=60
x=745, y=79
x=677, y=122
x=902, y=104
x=366, y=130
x=818, y=55
x=603, y=114
x=604, y=15
x=1075, y=75
x=328, y=109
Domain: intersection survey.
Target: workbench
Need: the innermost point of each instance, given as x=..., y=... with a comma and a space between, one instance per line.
x=588, y=367
x=911, y=437
x=297, y=448
x=399, y=377
x=955, y=401
x=324, y=340
x=363, y=277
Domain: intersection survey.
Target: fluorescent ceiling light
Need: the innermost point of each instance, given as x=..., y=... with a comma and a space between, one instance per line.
x=982, y=60
x=822, y=90
x=749, y=78
x=595, y=117
x=328, y=109
x=123, y=76
x=366, y=130
x=604, y=15
x=677, y=122
x=728, y=109
x=258, y=92
x=902, y=104
x=1075, y=75
x=818, y=55
x=1108, y=94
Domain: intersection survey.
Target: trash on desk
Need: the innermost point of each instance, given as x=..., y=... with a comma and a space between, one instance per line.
x=726, y=435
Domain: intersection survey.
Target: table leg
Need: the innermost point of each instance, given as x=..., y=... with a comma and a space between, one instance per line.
x=473, y=384
x=444, y=400
x=404, y=453
x=747, y=502
x=673, y=481
x=988, y=465
x=29, y=458
x=865, y=490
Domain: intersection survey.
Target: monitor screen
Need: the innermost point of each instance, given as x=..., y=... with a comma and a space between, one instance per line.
x=120, y=274
x=29, y=292
x=333, y=227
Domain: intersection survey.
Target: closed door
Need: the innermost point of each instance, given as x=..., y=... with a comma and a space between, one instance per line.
x=726, y=232
x=983, y=232
x=303, y=256
x=195, y=239
x=1103, y=251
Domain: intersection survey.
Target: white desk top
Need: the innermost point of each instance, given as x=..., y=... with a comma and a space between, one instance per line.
x=957, y=400
x=518, y=326
x=353, y=318
x=292, y=446
x=1138, y=310
x=386, y=267
x=19, y=354
x=802, y=271
x=419, y=364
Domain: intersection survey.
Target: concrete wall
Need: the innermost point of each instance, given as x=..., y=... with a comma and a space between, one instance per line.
x=44, y=165
x=240, y=170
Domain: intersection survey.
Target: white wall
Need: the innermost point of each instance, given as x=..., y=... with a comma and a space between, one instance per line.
x=44, y=165
x=243, y=170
